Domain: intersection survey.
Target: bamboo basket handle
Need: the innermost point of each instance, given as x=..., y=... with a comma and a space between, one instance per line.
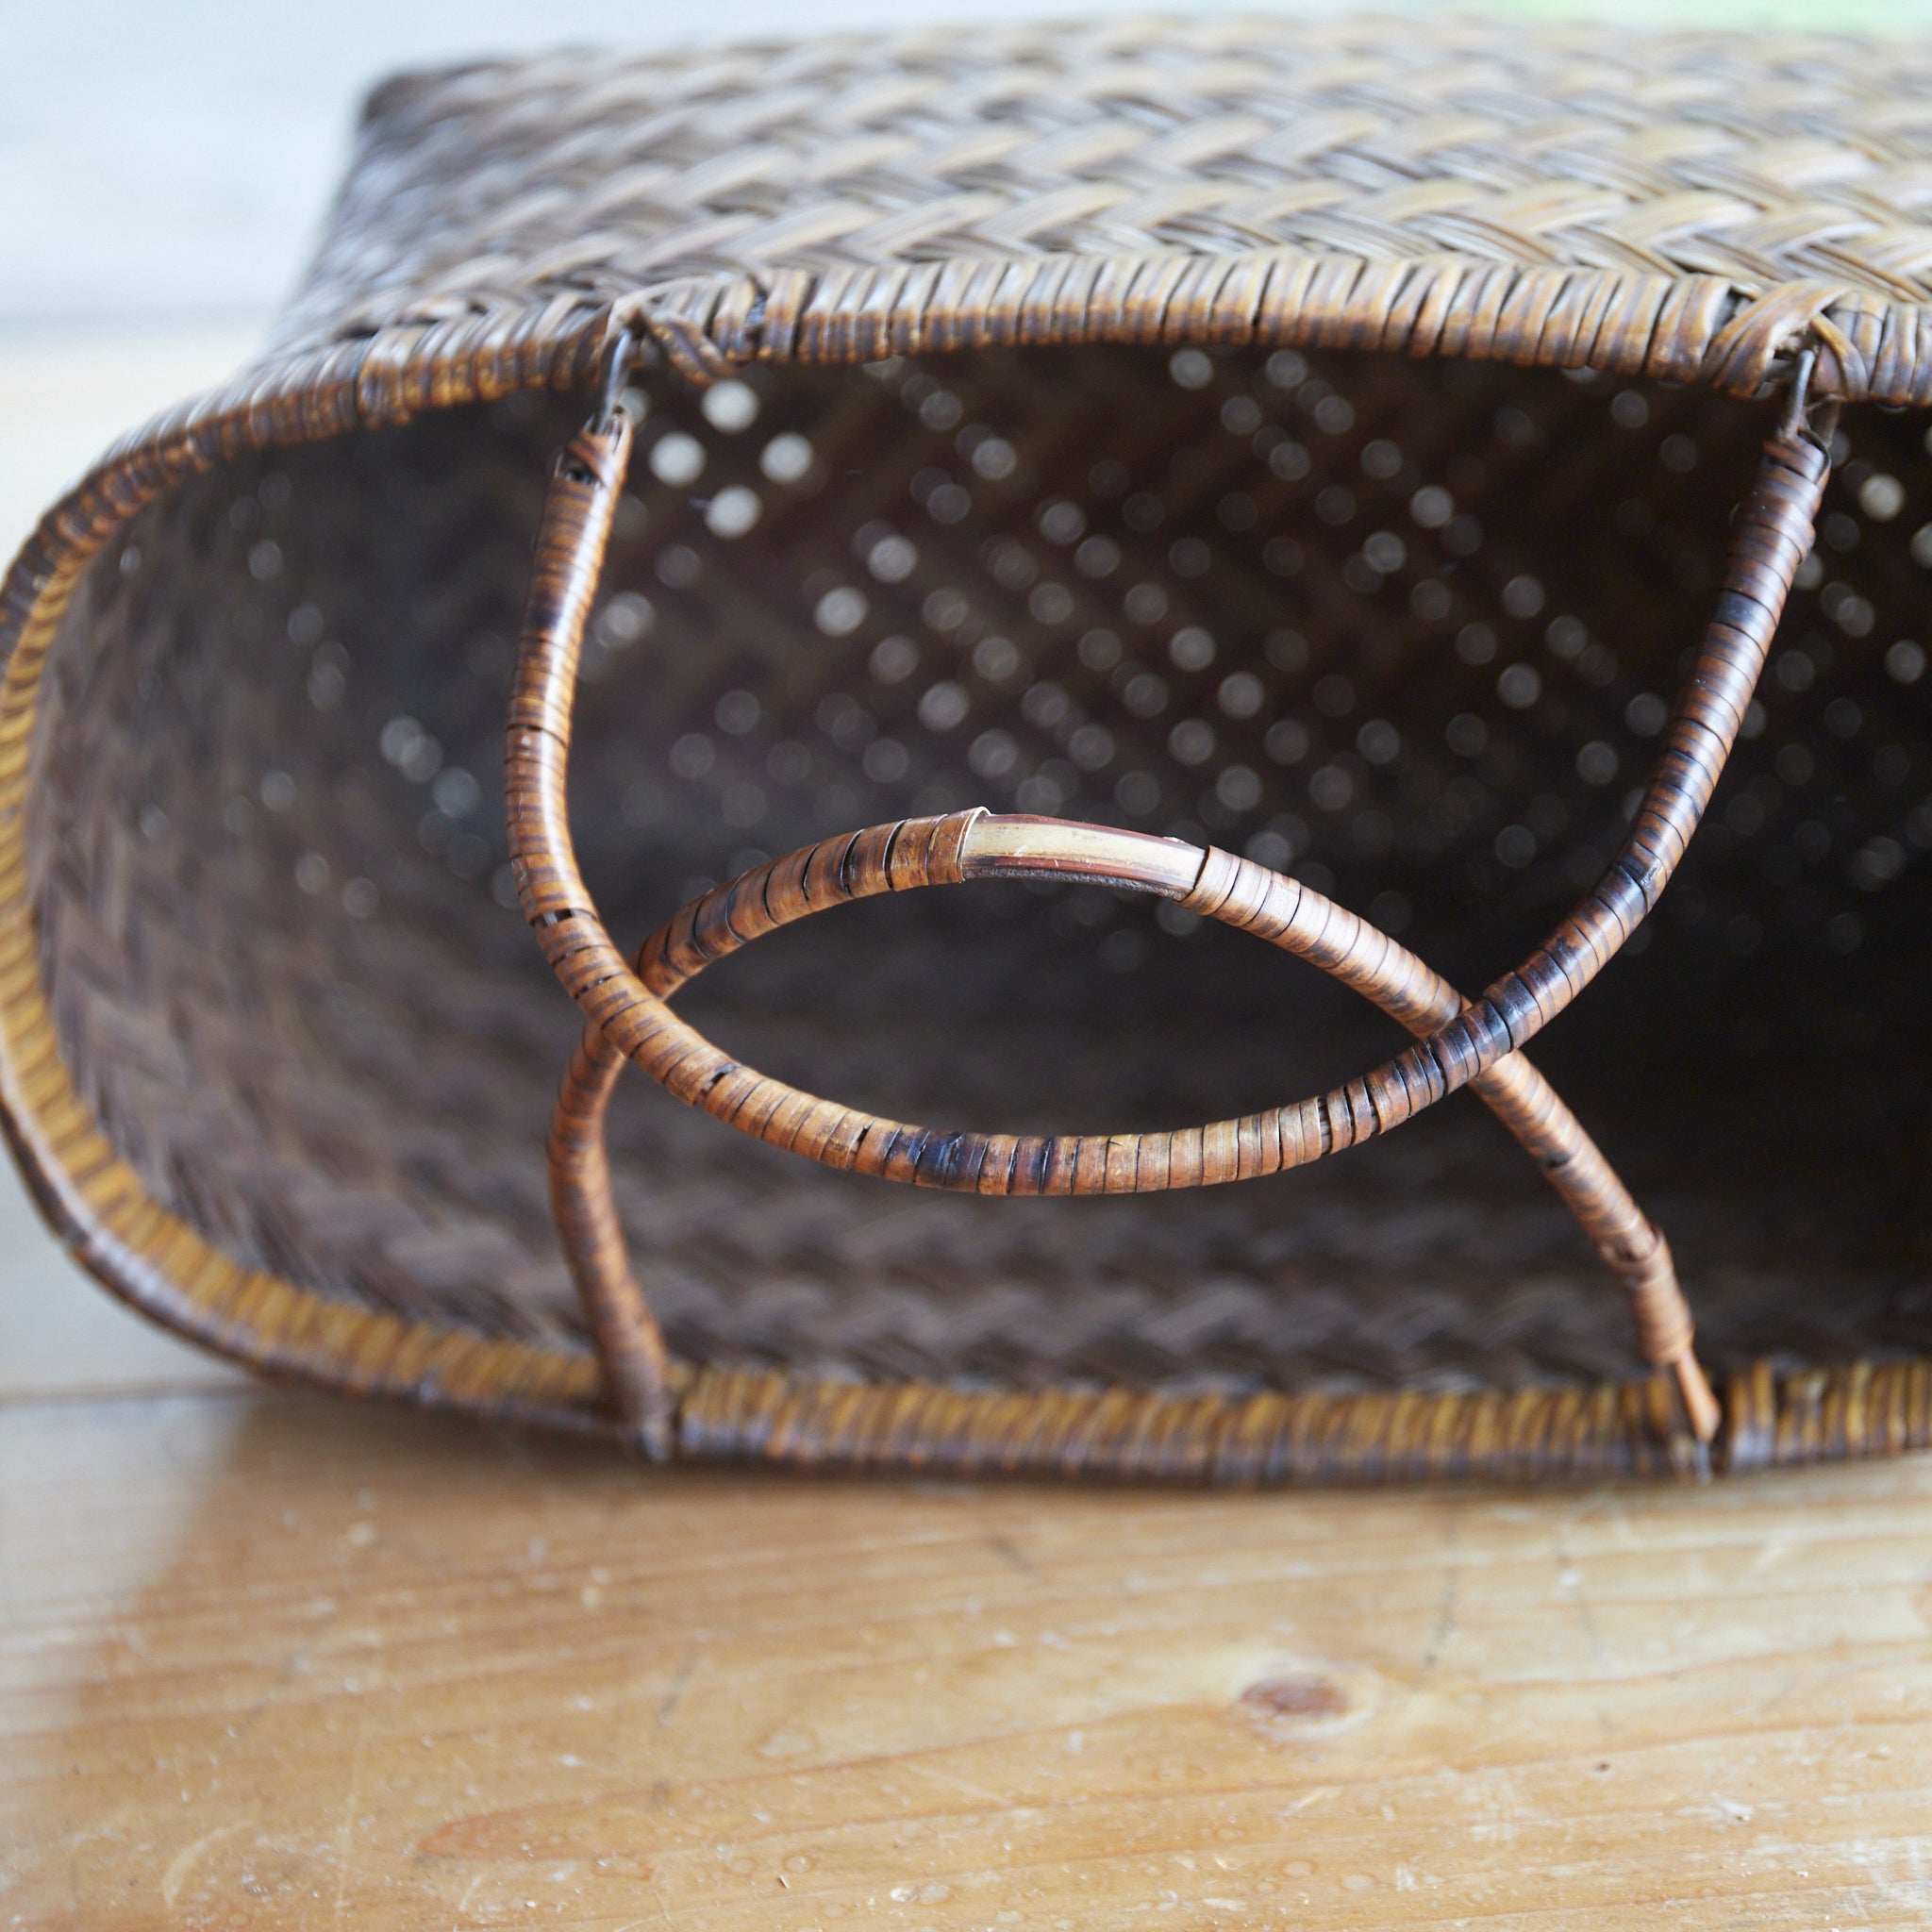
x=1457, y=1044
x=963, y=846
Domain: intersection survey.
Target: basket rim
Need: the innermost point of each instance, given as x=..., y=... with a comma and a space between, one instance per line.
x=1695, y=329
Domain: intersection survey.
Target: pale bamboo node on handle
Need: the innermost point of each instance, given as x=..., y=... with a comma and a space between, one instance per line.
x=1457, y=1044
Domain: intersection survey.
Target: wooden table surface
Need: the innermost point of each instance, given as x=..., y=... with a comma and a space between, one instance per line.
x=271, y=1659
x=268, y=1660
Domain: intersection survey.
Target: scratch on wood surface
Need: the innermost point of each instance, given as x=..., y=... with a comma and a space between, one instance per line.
x=1570, y=1583
x=1013, y=1554
x=1444, y=1627
x=997, y=1799
x=1318, y=1794
x=1777, y=1548
x=348, y=1829
x=674, y=1692
x=663, y=1917
x=184, y=1860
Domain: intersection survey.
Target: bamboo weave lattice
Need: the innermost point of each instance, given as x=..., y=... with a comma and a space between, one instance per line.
x=1289, y=480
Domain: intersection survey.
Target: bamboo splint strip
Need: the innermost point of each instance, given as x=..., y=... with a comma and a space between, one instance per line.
x=1457, y=1044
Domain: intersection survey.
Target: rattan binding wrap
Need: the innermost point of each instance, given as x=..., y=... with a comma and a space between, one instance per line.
x=347, y=1196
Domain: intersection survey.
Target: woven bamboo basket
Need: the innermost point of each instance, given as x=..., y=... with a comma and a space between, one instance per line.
x=1368, y=492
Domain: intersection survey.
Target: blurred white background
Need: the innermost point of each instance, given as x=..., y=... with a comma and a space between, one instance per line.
x=166, y=167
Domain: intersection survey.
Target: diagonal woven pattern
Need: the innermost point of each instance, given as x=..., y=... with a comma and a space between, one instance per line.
x=1174, y=496
x=1785, y=166
x=1760, y=159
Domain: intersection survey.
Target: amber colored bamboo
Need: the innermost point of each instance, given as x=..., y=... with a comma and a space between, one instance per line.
x=1107, y=199
x=569, y=556
x=1770, y=536
x=975, y=844
x=1461, y=1044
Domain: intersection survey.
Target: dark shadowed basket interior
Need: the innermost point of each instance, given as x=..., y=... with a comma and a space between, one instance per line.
x=1407, y=629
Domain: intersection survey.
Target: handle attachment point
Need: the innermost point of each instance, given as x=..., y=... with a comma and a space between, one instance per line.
x=1457, y=1044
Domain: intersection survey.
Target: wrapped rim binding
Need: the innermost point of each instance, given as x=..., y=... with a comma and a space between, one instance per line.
x=377, y=344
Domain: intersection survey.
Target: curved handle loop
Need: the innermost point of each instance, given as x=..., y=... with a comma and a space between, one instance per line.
x=978, y=844
x=1457, y=1044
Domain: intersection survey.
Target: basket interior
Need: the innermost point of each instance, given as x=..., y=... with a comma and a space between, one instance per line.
x=1405, y=627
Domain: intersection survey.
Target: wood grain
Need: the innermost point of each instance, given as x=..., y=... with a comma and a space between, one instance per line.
x=270, y=1661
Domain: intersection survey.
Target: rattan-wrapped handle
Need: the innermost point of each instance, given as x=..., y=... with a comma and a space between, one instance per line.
x=977, y=844
x=1460, y=1043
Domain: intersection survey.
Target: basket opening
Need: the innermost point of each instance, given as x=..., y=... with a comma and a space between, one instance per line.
x=1407, y=629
